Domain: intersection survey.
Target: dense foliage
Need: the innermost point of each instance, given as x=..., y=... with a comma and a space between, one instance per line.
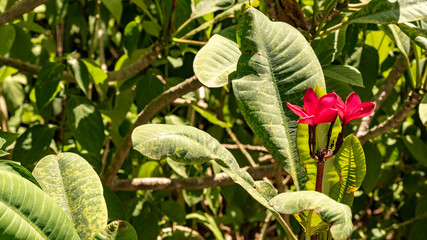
x=152, y=119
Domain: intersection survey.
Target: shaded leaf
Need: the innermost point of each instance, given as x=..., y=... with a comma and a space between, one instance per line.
x=7, y=37
x=32, y=145
x=81, y=74
x=343, y=73
x=75, y=186
x=277, y=65
x=417, y=148
x=115, y=7
x=22, y=214
x=339, y=215
x=418, y=35
x=47, y=84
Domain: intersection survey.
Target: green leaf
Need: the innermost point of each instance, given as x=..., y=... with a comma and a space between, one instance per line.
x=6, y=71
x=100, y=78
x=29, y=213
x=131, y=36
x=213, y=198
x=422, y=110
x=47, y=84
x=152, y=28
x=114, y=205
x=173, y=211
x=208, y=6
x=86, y=124
x=277, y=65
x=13, y=91
x=190, y=145
x=386, y=11
x=81, y=74
x=373, y=166
x=339, y=215
x=417, y=148
x=115, y=7
x=32, y=26
x=208, y=221
x=75, y=186
x=350, y=165
x=120, y=230
x=7, y=37
x=418, y=35
x=13, y=167
x=32, y=145
x=329, y=47
x=211, y=117
x=217, y=59
x=9, y=137
x=343, y=73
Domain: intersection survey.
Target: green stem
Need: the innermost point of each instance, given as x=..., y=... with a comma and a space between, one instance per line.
x=284, y=225
x=308, y=227
x=315, y=10
x=325, y=16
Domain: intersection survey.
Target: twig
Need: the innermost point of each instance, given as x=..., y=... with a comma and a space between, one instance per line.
x=410, y=103
x=220, y=179
x=105, y=155
x=263, y=231
x=142, y=63
x=144, y=116
x=239, y=144
x=19, y=9
x=247, y=146
x=396, y=226
x=179, y=40
x=183, y=229
x=382, y=94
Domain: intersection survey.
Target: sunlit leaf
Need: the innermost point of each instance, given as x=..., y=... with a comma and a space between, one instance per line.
x=81, y=74
x=120, y=230
x=115, y=7
x=277, y=65
x=7, y=36
x=418, y=35
x=343, y=73
x=75, y=186
x=29, y=213
x=339, y=215
x=207, y=6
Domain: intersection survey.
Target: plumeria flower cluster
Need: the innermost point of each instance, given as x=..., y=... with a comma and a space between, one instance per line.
x=325, y=110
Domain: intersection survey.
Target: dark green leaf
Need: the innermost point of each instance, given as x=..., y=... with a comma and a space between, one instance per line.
x=85, y=123
x=173, y=211
x=131, y=36
x=32, y=145
x=418, y=35
x=47, y=84
x=343, y=73
x=81, y=74
x=417, y=148
x=7, y=37
x=115, y=7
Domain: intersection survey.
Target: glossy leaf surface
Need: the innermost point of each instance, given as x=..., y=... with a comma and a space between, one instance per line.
x=277, y=65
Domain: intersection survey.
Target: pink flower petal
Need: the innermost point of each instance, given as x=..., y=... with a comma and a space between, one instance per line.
x=363, y=110
x=310, y=101
x=351, y=102
x=310, y=120
x=297, y=110
x=327, y=115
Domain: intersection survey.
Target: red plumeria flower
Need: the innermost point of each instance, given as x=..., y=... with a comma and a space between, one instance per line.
x=317, y=110
x=353, y=108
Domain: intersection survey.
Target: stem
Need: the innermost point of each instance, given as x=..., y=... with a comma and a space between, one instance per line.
x=182, y=26
x=19, y=9
x=308, y=227
x=319, y=175
x=285, y=226
x=329, y=135
x=199, y=43
x=315, y=10
x=242, y=149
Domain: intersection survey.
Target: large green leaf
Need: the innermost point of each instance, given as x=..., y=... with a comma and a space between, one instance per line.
x=350, y=165
x=217, y=59
x=76, y=187
x=339, y=215
x=86, y=124
x=208, y=6
x=13, y=167
x=190, y=145
x=277, y=65
x=416, y=147
x=120, y=230
x=46, y=86
x=390, y=11
x=26, y=212
x=115, y=7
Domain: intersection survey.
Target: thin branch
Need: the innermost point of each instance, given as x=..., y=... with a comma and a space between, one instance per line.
x=393, y=121
x=19, y=9
x=144, y=116
x=220, y=179
x=246, y=146
x=382, y=94
x=242, y=149
x=193, y=232
x=142, y=63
